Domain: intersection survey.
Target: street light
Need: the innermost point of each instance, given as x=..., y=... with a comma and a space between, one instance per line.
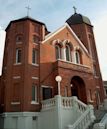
x=58, y=79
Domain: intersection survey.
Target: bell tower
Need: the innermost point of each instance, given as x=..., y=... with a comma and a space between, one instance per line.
x=83, y=28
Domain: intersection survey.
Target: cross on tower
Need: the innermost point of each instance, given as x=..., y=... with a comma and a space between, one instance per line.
x=28, y=9
x=74, y=9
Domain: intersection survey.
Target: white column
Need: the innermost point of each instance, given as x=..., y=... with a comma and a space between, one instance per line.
x=43, y=31
x=73, y=57
x=58, y=111
x=59, y=91
x=63, y=53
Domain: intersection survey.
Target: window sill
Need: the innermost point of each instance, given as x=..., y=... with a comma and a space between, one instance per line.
x=35, y=43
x=35, y=64
x=16, y=77
x=96, y=76
x=91, y=101
x=36, y=78
x=69, y=62
x=18, y=42
x=15, y=103
x=17, y=63
x=34, y=102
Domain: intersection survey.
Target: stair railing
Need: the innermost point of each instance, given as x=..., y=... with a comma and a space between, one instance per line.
x=86, y=117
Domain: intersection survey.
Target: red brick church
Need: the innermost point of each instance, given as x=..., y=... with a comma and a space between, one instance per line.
x=33, y=57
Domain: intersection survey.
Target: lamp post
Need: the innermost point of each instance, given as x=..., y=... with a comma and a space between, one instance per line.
x=58, y=79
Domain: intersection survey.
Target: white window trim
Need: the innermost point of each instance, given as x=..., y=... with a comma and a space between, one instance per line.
x=74, y=63
x=78, y=57
x=36, y=78
x=96, y=76
x=36, y=95
x=15, y=103
x=35, y=64
x=45, y=86
x=35, y=43
x=17, y=63
x=69, y=53
x=16, y=77
x=59, y=51
x=34, y=102
x=17, y=57
x=19, y=42
x=36, y=57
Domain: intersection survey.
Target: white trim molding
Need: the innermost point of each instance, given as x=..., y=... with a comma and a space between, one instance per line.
x=12, y=114
x=34, y=102
x=69, y=62
x=15, y=103
x=35, y=64
x=49, y=36
x=44, y=86
x=16, y=77
x=17, y=63
x=36, y=78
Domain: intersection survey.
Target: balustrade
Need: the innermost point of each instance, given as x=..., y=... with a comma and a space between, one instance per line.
x=46, y=104
x=86, y=112
x=83, y=122
x=67, y=102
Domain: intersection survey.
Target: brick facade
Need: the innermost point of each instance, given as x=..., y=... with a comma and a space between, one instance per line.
x=17, y=79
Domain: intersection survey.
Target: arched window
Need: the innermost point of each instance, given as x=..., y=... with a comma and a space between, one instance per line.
x=19, y=38
x=68, y=53
x=35, y=39
x=77, y=56
x=58, y=52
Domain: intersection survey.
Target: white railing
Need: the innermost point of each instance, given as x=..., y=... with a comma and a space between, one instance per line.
x=67, y=102
x=79, y=104
x=49, y=103
x=86, y=117
x=82, y=122
x=102, y=124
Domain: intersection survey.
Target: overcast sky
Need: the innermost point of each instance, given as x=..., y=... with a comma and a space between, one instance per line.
x=54, y=13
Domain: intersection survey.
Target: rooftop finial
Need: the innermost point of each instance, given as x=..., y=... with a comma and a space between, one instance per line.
x=74, y=9
x=28, y=9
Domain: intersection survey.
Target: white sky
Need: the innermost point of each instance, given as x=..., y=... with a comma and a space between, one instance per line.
x=100, y=29
x=2, y=40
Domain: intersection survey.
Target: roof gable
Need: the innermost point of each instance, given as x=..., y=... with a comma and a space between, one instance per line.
x=51, y=35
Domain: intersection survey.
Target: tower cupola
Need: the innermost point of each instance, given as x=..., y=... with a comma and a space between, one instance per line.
x=78, y=19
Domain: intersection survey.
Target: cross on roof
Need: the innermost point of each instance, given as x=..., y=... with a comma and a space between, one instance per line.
x=28, y=9
x=74, y=9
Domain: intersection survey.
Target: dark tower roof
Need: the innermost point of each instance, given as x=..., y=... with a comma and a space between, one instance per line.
x=78, y=19
x=24, y=19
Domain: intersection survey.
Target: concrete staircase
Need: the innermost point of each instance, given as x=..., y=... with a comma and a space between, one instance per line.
x=67, y=113
x=99, y=114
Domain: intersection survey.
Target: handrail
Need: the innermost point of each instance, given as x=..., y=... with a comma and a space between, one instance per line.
x=71, y=103
x=86, y=117
x=84, y=120
x=80, y=102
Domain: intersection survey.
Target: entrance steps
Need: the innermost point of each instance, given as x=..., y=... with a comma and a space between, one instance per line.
x=67, y=113
x=99, y=114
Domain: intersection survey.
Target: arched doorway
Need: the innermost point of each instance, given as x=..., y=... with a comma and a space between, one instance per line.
x=78, y=88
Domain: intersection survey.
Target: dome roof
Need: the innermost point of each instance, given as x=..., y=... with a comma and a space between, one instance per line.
x=78, y=19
